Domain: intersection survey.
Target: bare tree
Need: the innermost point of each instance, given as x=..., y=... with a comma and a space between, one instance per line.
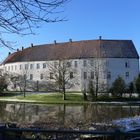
x=15, y=81
x=22, y=16
x=62, y=76
x=97, y=72
x=24, y=77
x=20, y=80
x=98, y=75
x=3, y=82
x=100, y=70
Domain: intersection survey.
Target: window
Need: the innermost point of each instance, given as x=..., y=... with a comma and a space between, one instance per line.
x=41, y=76
x=38, y=66
x=85, y=63
x=15, y=67
x=26, y=66
x=85, y=75
x=20, y=67
x=127, y=64
x=51, y=75
x=127, y=74
x=31, y=66
x=44, y=65
x=11, y=67
x=8, y=67
x=15, y=86
x=55, y=64
x=107, y=63
x=91, y=62
x=69, y=64
x=5, y=68
x=109, y=75
x=31, y=76
x=25, y=76
x=92, y=74
x=75, y=64
x=71, y=75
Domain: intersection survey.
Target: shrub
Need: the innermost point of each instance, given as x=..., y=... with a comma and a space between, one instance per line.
x=3, y=84
x=137, y=84
x=131, y=89
x=118, y=87
x=91, y=91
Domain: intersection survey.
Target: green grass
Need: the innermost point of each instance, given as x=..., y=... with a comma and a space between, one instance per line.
x=53, y=98
x=57, y=98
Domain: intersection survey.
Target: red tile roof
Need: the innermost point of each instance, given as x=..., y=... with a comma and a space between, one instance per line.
x=76, y=50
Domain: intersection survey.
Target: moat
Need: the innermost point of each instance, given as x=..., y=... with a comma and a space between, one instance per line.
x=66, y=116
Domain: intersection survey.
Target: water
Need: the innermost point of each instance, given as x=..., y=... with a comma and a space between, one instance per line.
x=71, y=116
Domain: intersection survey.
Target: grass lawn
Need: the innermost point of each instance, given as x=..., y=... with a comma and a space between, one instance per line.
x=51, y=98
x=56, y=98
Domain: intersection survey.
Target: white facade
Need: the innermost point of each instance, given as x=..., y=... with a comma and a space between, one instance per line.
x=126, y=68
x=101, y=61
x=107, y=70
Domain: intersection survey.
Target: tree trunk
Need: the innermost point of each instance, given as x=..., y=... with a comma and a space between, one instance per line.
x=24, y=90
x=96, y=90
x=37, y=86
x=96, y=94
x=24, y=93
x=64, y=88
x=64, y=113
x=64, y=96
x=130, y=95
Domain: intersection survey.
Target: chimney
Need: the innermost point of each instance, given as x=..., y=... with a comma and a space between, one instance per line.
x=55, y=42
x=70, y=40
x=100, y=37
x=17, y=50
x=22, y=48
x=9, y=53
x=32, y=45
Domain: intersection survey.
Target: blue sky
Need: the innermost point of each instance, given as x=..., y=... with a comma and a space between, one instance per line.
x=87, y=19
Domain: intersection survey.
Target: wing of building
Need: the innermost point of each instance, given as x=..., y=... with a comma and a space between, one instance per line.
x=106, y=59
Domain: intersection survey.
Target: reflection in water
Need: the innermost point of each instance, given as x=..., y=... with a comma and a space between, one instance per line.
x=64, y=114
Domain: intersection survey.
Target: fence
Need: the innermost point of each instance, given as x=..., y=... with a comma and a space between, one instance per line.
x=41, y=134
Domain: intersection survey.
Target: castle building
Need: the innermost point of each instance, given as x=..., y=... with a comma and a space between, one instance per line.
x=102, y=60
